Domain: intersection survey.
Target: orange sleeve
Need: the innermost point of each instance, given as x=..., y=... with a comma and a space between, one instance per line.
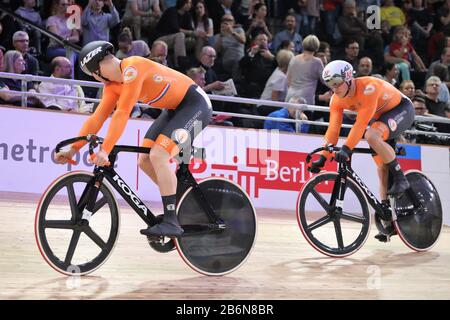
x=129, y=95
x=362, y=120
x=332, y=134
x=93, y=124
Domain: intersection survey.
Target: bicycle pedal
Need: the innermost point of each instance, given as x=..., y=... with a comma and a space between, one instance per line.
x=383, y=238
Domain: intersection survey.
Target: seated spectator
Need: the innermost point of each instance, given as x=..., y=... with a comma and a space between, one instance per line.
x=141, y=16
x=206, y=61
x=229, y=45
x=62, y=69
x=257, y=66
x=198, y=75
x=401, y=48
x=174, y=27
x=58, y=25
x=288, y=34
x=445, y=60
x=287, y=113
x=276, y=85
x=27, y=11
x=435, y=106
x=128, y=47
x=440, y=70
x=159, y=52
x=325, y=48
x=420, y=107
x=20, y=43
x=258, y=23
x=204, y=29
x=364, y=67
x=351, y=53
x=96, y=23
x=350, y=26
x=408, y=88
x=287, y=45
x=217, y=9
x=394, y=15
x=304, y=71
x=14, y=63
x=389, y=73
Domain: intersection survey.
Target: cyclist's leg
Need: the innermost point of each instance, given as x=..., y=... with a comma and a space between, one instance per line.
x=383, y=173
x=186, y=122
x=389, y=127
x=149, y=140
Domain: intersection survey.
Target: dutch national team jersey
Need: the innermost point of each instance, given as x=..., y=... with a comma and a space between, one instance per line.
x=145, y=81
x=372, y=98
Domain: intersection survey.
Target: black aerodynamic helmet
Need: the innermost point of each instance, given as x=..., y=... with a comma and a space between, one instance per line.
x=92, y=54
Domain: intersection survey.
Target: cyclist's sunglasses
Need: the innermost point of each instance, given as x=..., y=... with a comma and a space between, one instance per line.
x=334, y=82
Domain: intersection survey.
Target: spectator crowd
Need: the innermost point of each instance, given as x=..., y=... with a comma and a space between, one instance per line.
x=271, y=50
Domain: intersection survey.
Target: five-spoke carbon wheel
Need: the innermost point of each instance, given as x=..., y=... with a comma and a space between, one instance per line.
x=332, y=231
x=69, y=244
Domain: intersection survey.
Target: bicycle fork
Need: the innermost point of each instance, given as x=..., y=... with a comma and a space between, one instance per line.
x=86, y=205
x=338, y=193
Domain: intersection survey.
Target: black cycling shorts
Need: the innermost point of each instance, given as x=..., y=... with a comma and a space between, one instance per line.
x=398, y=119
x=181, y=125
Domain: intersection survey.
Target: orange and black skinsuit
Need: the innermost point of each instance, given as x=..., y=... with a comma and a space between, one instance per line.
x=376, y=102
x=185, y=105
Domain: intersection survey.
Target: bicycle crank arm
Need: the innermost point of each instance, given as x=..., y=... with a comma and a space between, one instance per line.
x=197, y=229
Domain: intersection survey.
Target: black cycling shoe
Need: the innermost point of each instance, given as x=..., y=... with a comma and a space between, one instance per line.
x=382, y=237
x=385, y=237
x=399, y=186
x=163, y=229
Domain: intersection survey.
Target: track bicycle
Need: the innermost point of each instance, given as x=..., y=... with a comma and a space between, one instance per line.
x=341, y=199
x=77, y=219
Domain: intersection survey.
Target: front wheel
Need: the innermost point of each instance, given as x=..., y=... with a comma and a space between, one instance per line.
x=419, y=230
x=217, y=252
x=335, y=232
x=69, y=244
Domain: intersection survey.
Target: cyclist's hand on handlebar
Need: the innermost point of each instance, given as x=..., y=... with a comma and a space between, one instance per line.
x=100, y=158
x=343, y=155
x=318, y=164
x=63, y=157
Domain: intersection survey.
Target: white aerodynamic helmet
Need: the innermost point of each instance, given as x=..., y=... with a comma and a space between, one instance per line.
x=337, y=72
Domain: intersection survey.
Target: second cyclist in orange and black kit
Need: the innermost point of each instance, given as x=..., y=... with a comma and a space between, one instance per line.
x=383, y=114
x=187, y=110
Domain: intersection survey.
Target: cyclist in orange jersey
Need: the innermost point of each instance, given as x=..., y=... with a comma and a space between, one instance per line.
x=379, y=105
x=187, y=111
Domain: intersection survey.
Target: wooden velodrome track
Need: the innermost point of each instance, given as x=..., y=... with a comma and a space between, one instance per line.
x=282, y=266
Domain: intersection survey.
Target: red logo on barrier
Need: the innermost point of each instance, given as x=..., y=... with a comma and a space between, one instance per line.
x=266, y=169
